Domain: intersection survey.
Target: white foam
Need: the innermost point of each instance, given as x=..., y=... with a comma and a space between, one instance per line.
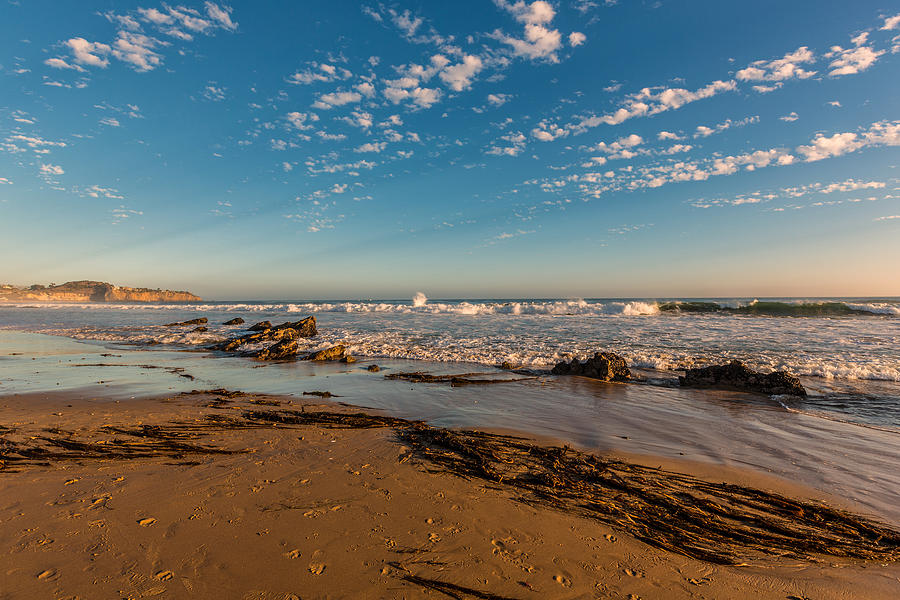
x=419, y=299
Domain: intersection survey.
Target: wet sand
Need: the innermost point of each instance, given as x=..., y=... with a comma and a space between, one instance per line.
x=311, y=512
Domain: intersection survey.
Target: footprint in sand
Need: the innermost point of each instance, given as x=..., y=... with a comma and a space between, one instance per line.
x=165, y=575
x=611, y=538
x=316, y=568
x=292, y=554
x=633, y=573
x=48, y=575
x=146, y=522
x=562, y=580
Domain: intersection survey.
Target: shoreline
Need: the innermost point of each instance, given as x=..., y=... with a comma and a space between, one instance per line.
x=370, y=516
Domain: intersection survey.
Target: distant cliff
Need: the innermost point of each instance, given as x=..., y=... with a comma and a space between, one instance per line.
x=91, y=291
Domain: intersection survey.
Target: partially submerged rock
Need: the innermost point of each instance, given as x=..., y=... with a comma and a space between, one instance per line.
x=286, y=348
x=285, y=331
x=304, y=328
x=200, y=321
x=234, y=321
x=348, y=359
x=373, y=368
x=200, y=329
x=737, y=376
x=605, y=366
x=268, y=335
x=334, y=353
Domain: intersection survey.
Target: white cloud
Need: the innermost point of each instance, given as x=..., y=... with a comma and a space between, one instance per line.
x=319, y=72
x=359, y=119
x=299, y=119
x=508, y=145
x=137, y=49
x=851, y=60
x=327, y=101
x=780, y=69
x=51, y=170
x=89, y=53
x=110, y=122
x=288, y=167
x=891, y=23
x=459, y=76
x=366, y=89
x=888, y=218
x=5, y=181
x=883, y=133
x=371, y=147
x=213, y=92
x=677, y=148
x=58, y=63
x=576, y=38
x=704, y=131
x=851, y=185
x=668, y=135
x=541, y=42
x=498, y=99
x=790, y=118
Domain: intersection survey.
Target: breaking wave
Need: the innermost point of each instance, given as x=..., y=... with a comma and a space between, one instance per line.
x=420, y=304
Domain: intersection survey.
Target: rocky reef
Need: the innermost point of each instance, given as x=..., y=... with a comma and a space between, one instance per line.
x=91, y=291
x=605, y=366
x=737, y=376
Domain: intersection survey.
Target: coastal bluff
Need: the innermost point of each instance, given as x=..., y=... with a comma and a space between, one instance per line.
x=91, y=291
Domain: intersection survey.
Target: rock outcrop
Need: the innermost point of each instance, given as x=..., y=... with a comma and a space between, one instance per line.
x=234, y=321
x=200, y=321
x=334, y=353
x=604, y=366
x=304, y=328
x=268, y=335
x=91, y=291
x=285, y=337
x=737, y=376
x=285, y=349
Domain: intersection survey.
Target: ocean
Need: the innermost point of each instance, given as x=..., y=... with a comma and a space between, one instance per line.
x=846, y=350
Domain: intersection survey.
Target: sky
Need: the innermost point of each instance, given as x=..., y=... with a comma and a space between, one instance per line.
x=488, y=149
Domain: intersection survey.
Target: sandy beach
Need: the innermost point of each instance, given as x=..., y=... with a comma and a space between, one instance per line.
x=93, y=509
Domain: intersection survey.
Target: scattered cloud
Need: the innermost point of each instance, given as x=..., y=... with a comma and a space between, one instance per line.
x=213, y=92
x=704, y=131
x=51, y=170
x=329, y=101
x=789, y=118
x=781, y=69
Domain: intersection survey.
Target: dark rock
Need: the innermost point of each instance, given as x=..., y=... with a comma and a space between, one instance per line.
x=200, y=321
x=736, y=376
x=506, y=365
x=605, y=366
x=334, y=353
x=286, y=348
x=267, y=335
x=373, y=368
x=234, y=321
x=200, y=329
x=304, y=328
x=348, y=359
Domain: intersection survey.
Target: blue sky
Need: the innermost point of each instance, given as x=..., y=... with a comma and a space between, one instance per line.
x=467, y=149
